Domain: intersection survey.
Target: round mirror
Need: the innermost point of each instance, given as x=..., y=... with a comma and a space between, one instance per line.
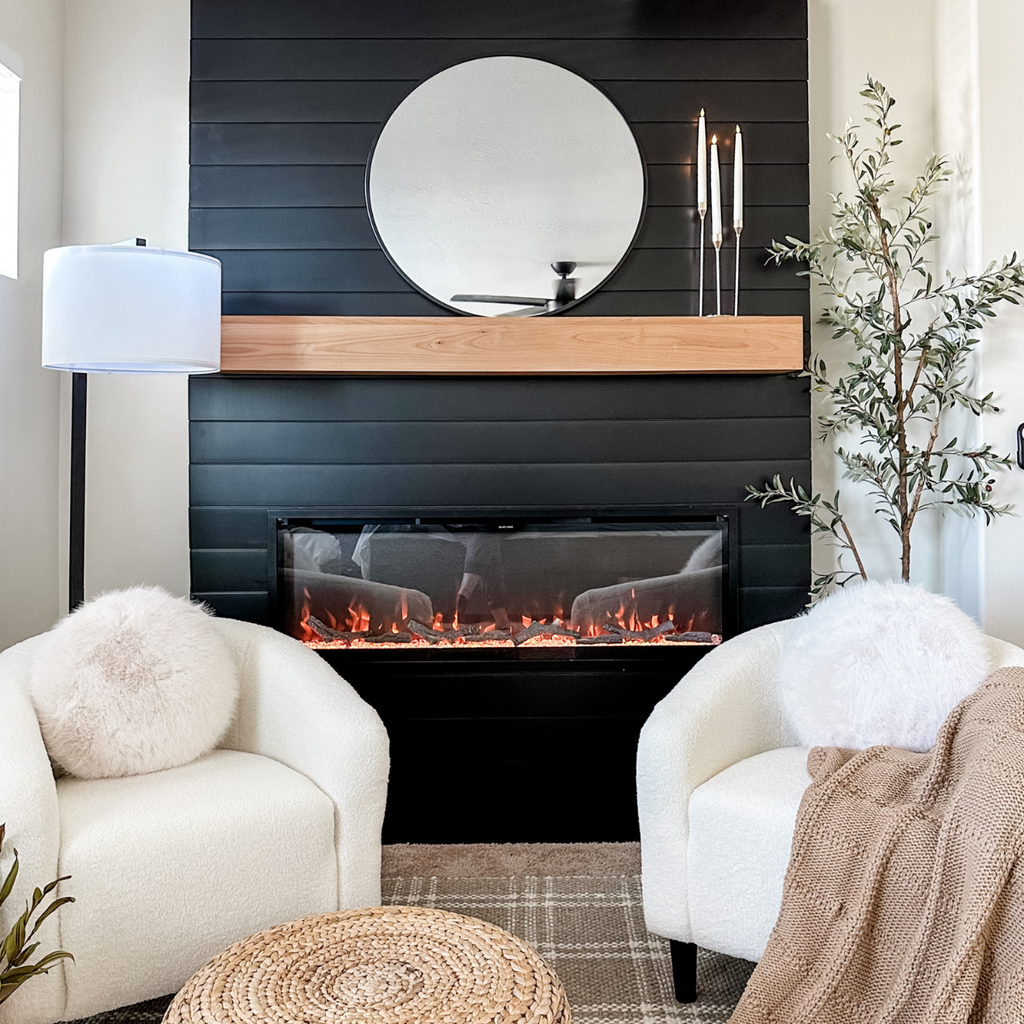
x=506, y=186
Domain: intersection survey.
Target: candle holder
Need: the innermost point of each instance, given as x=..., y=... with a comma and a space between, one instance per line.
x=700, y=273
x=737, y=212
x=716, y=220
x=718, y=272
x=702, y=202
x=736, y=285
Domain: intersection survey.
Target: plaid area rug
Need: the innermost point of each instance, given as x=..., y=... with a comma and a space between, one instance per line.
x=589, y=928
x=591, y=933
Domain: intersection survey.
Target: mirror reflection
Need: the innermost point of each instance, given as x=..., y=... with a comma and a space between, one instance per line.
x=506, y=186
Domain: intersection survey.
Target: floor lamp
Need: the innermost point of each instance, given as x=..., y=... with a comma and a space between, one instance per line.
x=123, y=308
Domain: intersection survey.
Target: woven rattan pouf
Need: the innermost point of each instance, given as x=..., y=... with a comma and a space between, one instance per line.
x=388, y=965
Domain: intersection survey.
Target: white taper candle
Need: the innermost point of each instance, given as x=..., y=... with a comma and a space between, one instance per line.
x=716, y=195
x=702, y=164
x=737, y=183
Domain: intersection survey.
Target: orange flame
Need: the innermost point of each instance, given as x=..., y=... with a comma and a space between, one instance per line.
x=356, y=619
x=308, y=633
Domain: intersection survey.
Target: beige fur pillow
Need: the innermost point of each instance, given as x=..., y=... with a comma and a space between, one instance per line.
x=132, y=682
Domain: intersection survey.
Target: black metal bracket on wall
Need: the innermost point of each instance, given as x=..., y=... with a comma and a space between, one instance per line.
x=1020, y=446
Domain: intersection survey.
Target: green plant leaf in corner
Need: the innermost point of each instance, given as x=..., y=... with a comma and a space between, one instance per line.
x=14, y=953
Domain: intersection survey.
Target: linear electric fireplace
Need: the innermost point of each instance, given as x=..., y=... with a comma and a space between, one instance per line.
x=503, y=583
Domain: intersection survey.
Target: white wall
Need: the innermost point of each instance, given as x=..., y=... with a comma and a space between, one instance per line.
x=126, y=121
x=1001, y=31
x=29, y=395
x=956, y=77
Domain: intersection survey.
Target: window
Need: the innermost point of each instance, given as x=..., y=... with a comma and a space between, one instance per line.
x=10, y=109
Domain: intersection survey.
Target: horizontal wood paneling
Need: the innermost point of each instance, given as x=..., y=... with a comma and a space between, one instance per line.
x=232, y=526
x=776, y=565
x=674, y=142
x=220, y=228
x=252, y=185
x=670, y=302
x=440, y=484
x=512, y=399
x=406, y=303
x=774, y=524
x=249, y=606
x=364, y=270
x=284, y=103
x=526, y=19
x=373, y=60
x=229, y=526
x=761, y=605
x=286, y=186
x=215, y=569
x=348, y=227
x=282, y=143
x=776, y=302
x=475, y=441
x=341, y=146
x=679, y=227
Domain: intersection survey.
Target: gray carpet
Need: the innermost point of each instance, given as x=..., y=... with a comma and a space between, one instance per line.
x=579, y=905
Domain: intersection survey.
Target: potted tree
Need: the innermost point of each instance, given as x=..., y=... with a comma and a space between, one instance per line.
x=910, y=337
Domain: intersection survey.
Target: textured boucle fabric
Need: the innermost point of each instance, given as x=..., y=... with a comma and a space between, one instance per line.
x=902, y=901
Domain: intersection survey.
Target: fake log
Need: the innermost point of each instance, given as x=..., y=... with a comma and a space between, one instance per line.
x=695, y=600
x=328, y=596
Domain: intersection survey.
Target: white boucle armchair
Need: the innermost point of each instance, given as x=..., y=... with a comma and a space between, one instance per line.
x=283, y=819
x=719, y=781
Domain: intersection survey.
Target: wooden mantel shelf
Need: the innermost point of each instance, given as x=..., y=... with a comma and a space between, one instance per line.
x=506, y=345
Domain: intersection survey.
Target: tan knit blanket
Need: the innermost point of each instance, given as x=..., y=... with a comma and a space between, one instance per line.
x=903, y=901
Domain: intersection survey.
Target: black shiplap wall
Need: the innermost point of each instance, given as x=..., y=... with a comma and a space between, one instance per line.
x=287, y=98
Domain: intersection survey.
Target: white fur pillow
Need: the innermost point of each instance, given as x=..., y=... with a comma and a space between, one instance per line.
x=879, y=663
x=133, y=681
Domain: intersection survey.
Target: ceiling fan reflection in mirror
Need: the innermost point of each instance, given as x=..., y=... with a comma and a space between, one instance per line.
x=565, y=292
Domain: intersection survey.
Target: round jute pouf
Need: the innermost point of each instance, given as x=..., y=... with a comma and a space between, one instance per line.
x=388, y=965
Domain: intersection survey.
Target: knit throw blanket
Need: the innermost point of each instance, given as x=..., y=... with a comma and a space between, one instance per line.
x=903, y=902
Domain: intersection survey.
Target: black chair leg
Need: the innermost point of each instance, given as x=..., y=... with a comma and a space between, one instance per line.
x=684, y=970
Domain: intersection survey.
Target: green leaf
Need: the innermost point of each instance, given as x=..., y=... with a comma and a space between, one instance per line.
x=24, y=954
x=12, y=877
x=54, y=906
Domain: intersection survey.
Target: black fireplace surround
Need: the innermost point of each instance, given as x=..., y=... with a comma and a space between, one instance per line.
x=488, y=746
x=468, y=724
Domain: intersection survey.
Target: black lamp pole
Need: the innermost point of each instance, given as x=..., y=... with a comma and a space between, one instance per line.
x=76, y=556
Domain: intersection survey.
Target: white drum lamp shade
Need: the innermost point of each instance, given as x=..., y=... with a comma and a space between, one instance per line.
x=130, y=309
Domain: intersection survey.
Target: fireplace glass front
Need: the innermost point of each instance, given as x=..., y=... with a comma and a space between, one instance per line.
x=515, y=583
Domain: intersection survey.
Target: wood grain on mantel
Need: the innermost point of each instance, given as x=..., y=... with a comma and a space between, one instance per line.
x=507, y=345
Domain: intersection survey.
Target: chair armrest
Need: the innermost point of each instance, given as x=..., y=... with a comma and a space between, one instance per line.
x=28, y=806
x=294, y=708
x=1002, y=654
x=722, y=711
